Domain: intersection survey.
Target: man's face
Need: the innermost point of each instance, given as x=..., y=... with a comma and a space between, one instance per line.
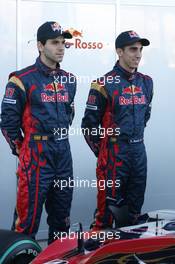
x=130, y=56
x=53, y=50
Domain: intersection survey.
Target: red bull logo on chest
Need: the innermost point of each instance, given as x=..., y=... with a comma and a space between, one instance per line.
x=134, y=98
x=56, y=95
x=55, y=98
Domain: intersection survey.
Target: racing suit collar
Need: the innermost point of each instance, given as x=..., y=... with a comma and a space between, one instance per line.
x=45, y=69
x=129, y=76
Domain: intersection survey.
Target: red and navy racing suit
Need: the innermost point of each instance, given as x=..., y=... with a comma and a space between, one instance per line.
x=120, y=104
x=37, y=110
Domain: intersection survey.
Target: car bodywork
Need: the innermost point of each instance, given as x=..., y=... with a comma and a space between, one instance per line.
x=150, y=241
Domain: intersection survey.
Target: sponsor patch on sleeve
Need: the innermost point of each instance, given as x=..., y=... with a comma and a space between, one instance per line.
x=9, y=92
x=91, y=107
x=9, y=101
x=92, y=99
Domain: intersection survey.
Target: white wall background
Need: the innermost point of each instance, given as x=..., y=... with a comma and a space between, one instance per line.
x=100, y=21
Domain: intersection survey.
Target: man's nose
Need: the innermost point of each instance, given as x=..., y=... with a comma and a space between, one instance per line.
x=139, y=54
x=61, y=48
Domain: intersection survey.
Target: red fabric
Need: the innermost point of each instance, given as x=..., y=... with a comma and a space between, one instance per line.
x=37, y=185
x=102, y=163
x=24, y=163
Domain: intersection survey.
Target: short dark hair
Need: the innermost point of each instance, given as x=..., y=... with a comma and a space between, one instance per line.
x=43, y=41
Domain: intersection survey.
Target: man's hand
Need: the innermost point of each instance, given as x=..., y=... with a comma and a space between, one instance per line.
x=17, y=144
x=17, y=151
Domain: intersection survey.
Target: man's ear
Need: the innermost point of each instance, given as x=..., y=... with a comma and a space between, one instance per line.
x=40, y=46
x=119, y=52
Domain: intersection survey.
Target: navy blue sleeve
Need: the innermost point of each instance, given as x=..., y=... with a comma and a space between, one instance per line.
x=12, y=108
x=95, y=108
x=149, y=103
x=70, y=106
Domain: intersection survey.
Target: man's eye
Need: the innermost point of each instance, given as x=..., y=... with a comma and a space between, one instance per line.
x=57, y=42
x=133, y=49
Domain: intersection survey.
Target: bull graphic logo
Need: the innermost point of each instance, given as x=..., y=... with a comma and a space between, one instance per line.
x=54, y=87
x=56, y=26
x=136, y=90
x=132, y=90
x=59, y=87
x=75, y=33
x=133, y=34
x=127, y=90
x=49, y=87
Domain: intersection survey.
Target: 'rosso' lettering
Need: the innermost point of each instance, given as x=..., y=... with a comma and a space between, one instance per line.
x=87, y=45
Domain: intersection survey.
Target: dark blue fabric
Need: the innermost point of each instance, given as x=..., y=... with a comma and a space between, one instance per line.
x=131, y=175
x=121, y=100
x=131, y=118
x=40, y=104
x=45, y=115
